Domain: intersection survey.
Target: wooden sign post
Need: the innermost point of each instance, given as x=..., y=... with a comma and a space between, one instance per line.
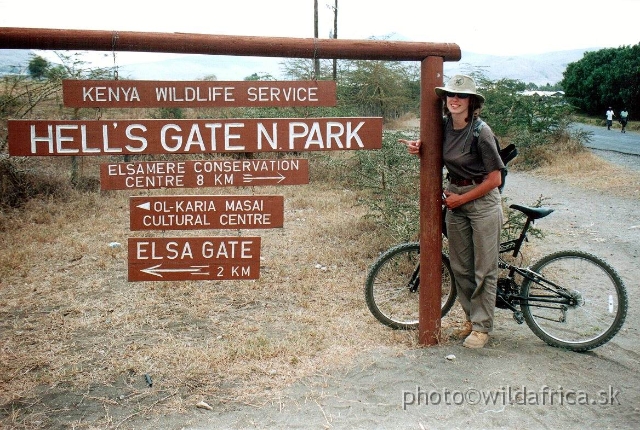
x=431, y=55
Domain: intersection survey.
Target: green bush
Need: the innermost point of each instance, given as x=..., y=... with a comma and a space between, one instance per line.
x=388, y=183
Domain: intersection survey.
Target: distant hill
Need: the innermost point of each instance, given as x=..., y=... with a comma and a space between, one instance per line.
x=13, y=61
x=193, y=67
x=539, y=69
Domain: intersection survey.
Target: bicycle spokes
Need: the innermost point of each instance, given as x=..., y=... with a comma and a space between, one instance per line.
x=574, y=300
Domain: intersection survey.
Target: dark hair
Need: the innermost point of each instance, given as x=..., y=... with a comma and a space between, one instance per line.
x=475, y=106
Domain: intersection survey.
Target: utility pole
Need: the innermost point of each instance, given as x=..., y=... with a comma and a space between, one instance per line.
x=335, y=36
x=316, y=60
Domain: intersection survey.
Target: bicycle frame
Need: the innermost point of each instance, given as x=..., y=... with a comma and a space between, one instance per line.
x=567, y=299
x=509, y=300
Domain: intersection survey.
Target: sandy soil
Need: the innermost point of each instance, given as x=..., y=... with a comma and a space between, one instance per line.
x=423, y=389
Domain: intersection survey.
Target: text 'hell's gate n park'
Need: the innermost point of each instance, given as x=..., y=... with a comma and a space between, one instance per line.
x=161, y=136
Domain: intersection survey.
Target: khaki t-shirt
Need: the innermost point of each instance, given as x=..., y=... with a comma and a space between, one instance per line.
x=467, y=161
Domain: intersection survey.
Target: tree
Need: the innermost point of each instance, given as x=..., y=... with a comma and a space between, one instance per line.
x=608, y=77
x=38, y=67
x=372, y=88
x=260, y=77
x=304, y=69
x=379, y=88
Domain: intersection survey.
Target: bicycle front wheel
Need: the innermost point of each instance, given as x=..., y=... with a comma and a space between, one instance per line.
x=392, y=287
x=579, y=302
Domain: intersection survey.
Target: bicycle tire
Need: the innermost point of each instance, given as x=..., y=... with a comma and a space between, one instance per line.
x=601, y=301
x=387, y=291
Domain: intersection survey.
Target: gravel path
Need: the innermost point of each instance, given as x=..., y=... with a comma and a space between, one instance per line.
x=631, y=162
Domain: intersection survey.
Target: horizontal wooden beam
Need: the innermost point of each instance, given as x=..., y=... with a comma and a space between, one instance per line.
x=192, y=43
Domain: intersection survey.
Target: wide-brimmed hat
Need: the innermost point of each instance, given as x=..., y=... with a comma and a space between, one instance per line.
x=461, y=84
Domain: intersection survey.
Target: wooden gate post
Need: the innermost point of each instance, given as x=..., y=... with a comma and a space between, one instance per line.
x=430, y=201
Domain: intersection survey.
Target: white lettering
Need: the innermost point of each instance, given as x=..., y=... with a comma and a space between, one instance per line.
x=133, y=137
x=60, y=139
x=48, y=139
x=110, y=94
x=177, y=138
x=272, y=140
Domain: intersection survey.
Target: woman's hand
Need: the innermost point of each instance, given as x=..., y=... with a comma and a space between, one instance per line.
x=413, y=146
x=452, y=200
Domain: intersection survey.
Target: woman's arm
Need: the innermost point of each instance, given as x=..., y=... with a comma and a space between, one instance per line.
x=493, y=180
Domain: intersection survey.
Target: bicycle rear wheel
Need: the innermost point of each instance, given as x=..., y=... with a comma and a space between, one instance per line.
x=392, y=287
x=595, y=309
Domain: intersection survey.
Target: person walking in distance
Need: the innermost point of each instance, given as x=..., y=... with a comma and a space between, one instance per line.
x=624, y=117
x=474, y=206
x=610, y=116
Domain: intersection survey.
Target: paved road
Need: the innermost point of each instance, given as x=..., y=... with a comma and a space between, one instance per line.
x=612, y=140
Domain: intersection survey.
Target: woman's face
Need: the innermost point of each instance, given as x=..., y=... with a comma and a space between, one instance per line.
x=457, y=105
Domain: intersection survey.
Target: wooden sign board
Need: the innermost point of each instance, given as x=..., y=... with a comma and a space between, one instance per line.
x=197, y=94
x=203, y=173
x=205, y=212
x=193, y=258
x=187, y=136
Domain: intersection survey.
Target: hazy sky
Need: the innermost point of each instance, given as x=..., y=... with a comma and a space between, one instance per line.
x=499, y=27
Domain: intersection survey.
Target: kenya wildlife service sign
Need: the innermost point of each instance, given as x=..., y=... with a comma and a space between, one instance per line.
x=139, y=94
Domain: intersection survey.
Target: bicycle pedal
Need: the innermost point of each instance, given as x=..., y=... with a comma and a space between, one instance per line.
x=518, y=317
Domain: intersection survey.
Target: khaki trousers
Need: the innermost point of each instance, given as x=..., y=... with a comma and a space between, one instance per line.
x=473, y=230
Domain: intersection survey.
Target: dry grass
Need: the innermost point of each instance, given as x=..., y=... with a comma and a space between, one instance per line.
x=588, y=171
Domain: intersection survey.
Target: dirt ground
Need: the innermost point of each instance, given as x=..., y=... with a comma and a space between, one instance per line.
x=421, y=388
x=516, y=382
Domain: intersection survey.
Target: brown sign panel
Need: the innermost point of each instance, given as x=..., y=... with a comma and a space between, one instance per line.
x=193, y=258
x=205, y=212
x=198, y=94
x=203, y=173
x=187, y=136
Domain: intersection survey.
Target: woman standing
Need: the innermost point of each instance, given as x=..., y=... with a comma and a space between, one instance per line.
x=474, y=215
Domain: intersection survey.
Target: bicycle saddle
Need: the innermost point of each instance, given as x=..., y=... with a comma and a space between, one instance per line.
x=533, y=213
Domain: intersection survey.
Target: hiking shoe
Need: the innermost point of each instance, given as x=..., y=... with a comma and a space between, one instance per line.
x=463, y=331
x=476, y=339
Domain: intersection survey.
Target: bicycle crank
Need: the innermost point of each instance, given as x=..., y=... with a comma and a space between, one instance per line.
x=518, y=317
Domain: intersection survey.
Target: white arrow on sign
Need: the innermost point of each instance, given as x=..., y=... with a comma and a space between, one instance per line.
x=248, y=177
x=145, y=206
x=156, y=271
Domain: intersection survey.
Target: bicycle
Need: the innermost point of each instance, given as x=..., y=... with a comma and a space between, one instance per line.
x=569, y=299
